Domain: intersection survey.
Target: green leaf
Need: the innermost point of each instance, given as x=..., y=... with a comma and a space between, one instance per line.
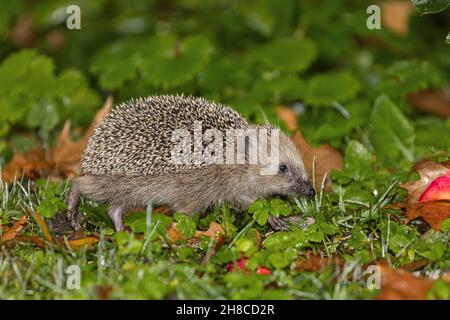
x=225, y=72
x=279, y=207
x=114, y=64
x=49, y=207
x=279, y=260
x=169, y=62
x=403, y=77
x=277, y=90
x=185, y=225
x=447, y=40
x=431, y=6
x=391, y=133
x=263, y=216
x=259, y=210
x=288, y=54
x=445, y=226
x=8, y=11
x=358, y=238
x=324, y=89
x=246, y=246
x=358, y=160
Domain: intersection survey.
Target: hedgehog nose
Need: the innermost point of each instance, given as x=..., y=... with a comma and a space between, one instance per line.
x=306, y=189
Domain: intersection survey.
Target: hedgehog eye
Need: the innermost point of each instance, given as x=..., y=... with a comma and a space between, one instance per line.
x=283, y=168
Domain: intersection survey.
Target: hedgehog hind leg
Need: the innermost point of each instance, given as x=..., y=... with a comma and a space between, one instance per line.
x=73, y=199
x=115, y=214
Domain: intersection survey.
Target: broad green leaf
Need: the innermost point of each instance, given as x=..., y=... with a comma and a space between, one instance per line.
x=445, y=226
x=8, y=11
x=324, y=89
x=358, y=160
x=288, y=54
x=51, y=206
x=279, y=207
x=431, y=6
x=263, y=216
x=185, y=225
x=391, y=133
x=403, y=77
x=447, y=40
x=25, y=77
x=224, y=72
x=277, y=90
x=169, y=62
x=279, y=260
x=114, y=64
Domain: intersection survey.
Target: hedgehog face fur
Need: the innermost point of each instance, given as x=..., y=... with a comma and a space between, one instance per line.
x=127, y=162
x=290, y=178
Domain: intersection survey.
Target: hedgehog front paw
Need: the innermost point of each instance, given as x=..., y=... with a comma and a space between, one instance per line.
x=282, y=224
x=74, y=219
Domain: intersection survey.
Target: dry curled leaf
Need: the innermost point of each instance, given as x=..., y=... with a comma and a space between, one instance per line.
x=80, y=243
x=317, y=263
x=33, y=239
x=23, y=31
x=399, y=284
x=14, y=231
x=433, y=213
x=326, y=157
x=436, y=102
x=215, y=231
x=42, y=225
x=395, y=15
x=31, y=165
x=60, y=161
x=103, y=292
x=173, y=234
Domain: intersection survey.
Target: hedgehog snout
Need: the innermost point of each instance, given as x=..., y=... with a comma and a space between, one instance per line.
x=304, y=188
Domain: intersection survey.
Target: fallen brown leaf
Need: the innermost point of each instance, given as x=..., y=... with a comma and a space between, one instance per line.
x=436, y=102
x=23, y=31
x=80, y=243
x=60, y=162
x=215, y=231
x=433, y=212
x=399, y=284
x=16, y=228
x=415, y=265
x=42, y=225
x=31, y=165
x=326, y=157
x=173, y=234
x=103, y=292
x=317, y=263
x=67, y=153
x=33, y=239
x=395, y=15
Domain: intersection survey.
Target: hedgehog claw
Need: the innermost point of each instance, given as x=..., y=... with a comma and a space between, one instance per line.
x=282, y=224
x=74, y=219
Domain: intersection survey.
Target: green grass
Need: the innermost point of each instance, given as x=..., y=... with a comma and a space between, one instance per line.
x=145, y=264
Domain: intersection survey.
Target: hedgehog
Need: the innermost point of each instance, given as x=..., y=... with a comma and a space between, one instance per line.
x=129, y=161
